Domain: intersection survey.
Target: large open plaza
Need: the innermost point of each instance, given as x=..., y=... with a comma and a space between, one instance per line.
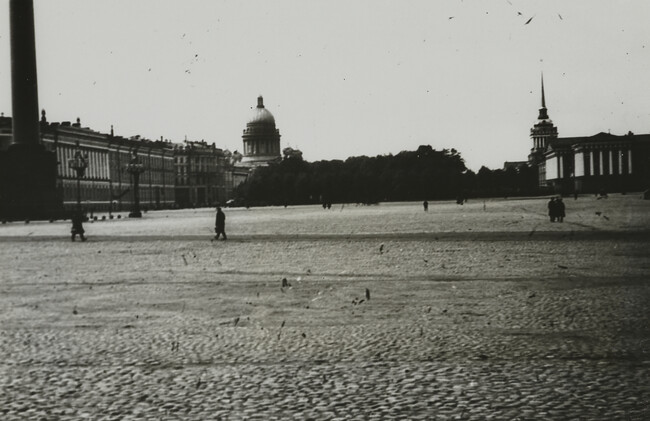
x=480, y=311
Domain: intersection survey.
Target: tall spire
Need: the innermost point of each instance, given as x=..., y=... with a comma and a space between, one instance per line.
x=543, y=114
x=543, y=97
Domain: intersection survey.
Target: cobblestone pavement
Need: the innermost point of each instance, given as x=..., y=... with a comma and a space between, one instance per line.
x=454, y=328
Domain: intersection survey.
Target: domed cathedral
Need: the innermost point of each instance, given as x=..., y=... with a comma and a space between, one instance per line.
x=261, y=138
x=542, y=134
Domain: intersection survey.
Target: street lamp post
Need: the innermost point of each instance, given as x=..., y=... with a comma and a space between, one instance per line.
x=135, y=167
x=78, y=163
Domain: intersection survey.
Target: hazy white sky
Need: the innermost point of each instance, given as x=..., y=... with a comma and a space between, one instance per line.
x=344, y=77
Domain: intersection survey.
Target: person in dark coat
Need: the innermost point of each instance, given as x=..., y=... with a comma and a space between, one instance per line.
x=220, y=224
x=559, y=204
x=77, y=226
x=425, y=204
x=552, y=209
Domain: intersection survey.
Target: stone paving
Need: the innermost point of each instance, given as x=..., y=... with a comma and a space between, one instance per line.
x=546, y=328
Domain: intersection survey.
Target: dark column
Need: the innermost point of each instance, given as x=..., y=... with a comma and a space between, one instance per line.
x=27, y=170
x=24, y=89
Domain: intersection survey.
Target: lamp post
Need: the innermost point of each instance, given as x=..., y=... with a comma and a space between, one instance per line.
x=135, y=167
x=78, y=163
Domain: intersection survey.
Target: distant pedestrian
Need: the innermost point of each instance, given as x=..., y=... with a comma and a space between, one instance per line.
x=77, y=226
x=552, y=209
x=425, y=204
x=559, y=204
x=220, y=224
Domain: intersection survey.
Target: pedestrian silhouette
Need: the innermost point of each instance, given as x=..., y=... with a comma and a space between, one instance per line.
x=425, y=204
x=220, y=224
x=552, y=209
x=77, y=226
x=559, y=204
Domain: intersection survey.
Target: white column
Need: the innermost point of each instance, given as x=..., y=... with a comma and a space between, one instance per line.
x=64, y=161
x=560, y=163
x=620, y=161
x=102, y=168
x=629, y=161
x=579, y=164
x=66, y=171
x=611, y=162
x=591, y=163
x=70, y=155
x=63, y=164
x=90, y=173
x=600, y=162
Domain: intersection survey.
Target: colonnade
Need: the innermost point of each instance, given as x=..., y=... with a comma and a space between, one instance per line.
x=603, y=162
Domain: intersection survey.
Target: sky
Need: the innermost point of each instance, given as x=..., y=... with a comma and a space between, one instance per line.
x=344, y=77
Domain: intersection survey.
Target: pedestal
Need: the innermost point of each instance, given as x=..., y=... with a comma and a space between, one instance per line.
x=28, y=184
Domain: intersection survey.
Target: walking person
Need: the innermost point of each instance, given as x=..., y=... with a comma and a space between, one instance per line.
x=552, y=209
x=220, y=224
x=77, y=226
x=425, y=204
x=559, y=204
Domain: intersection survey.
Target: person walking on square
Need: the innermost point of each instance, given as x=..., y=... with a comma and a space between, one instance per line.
x=559, y=204
x=425, y=204
x=77, y=226
x=220, y=224
x=552, y=209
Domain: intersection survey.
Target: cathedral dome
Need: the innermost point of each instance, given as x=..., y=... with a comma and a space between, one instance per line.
x=261, y=138
x=261, y=115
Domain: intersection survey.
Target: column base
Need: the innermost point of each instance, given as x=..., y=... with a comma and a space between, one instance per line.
x=28, y=176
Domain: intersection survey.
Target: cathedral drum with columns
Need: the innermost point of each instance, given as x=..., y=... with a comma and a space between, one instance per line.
x=261, y=138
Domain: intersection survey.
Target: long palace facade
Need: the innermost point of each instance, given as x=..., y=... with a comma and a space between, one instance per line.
x=173, y=175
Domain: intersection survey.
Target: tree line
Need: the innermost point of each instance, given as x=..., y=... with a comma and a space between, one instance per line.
x=424, y=174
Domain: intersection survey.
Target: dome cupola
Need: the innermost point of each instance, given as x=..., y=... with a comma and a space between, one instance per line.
x=261, y=138
x=260, y=114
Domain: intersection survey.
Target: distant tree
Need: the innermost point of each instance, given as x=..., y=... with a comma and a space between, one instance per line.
x=422, y=174
x=291, y=153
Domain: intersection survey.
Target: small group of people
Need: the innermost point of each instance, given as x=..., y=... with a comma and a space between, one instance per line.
x=556, y=209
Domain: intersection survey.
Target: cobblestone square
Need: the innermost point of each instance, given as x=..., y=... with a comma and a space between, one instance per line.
x=485, y=311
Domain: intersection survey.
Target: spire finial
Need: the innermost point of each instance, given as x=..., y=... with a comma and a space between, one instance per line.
x=543, y=97
x=260, y=102
x=543, y=113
